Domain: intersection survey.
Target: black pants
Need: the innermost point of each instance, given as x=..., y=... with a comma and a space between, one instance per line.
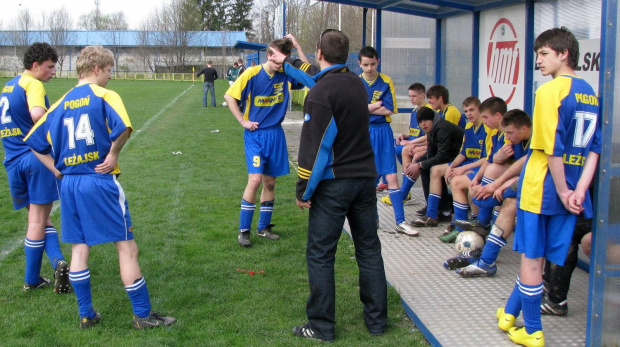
x=445, y=204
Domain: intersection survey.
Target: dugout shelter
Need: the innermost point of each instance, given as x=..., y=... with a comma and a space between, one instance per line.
x=485, y=48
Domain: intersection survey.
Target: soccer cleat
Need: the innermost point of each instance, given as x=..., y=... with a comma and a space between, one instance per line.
x=505, y=321
x=449, y=238
x=448, y=230
x=307, y=332
x=472, y=253
x=425, y=221
x=458, y=262
x=549, y=307
x=407, y=229
x=244, y=238
x=61, y=278
x=421, y=212
x=478, y=269
x=521, y=337
x=86, y=322
x=268, y=234
x=386, y=199
x=153, y=320
x=444, y=217
x=43, y=282
x=381, y=187
x=482, y=230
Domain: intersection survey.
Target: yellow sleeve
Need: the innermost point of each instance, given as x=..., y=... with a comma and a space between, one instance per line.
x=546, y=117
x=453, y=115
x=35, y=92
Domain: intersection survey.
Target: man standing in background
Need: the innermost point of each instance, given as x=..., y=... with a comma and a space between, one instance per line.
x=210, y=75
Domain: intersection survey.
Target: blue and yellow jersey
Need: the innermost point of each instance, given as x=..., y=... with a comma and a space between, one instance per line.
x=477, y=142
x=381, y=88
x=263, y=97
x=78, y=130
x=565, y=124
x=498, y=141
x=454, y=116
x=520, y=149
x=18, y=97
x=414, y=127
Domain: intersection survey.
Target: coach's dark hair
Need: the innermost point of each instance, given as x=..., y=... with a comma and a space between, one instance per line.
x=494, y=105
x=285, y=46
x=438, y=90
x=334, y=46
x=39, y=52
x=471, y=100
x=367, y=52
x=418, y=87
x=517, y=118
x=560, y=40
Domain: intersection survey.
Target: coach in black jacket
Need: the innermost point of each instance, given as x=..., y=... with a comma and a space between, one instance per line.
x=444, y=143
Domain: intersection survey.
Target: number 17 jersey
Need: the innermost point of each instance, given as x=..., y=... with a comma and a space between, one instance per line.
x=79, y=129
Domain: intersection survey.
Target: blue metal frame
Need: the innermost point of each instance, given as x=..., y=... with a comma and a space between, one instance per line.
x=528, y=97
x=378, y=37
x=438, y=54
x=364, y=21
x=475, y=57
x=283, y=18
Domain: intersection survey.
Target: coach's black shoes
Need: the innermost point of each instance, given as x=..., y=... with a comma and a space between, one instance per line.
x=549, y=307
x=268, y=234
x=61, y=278
x=86, y=322
x=307, y=332
x=43, y=282
x=244, y=238
x=153, y=320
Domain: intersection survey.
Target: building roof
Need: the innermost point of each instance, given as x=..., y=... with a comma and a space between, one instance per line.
x=130, y=38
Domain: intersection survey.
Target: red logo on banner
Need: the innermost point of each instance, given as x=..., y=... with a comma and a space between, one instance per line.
x=503, y=60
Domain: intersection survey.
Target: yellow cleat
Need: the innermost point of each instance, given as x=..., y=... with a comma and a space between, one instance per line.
x=521, y=337
x=505, y=321
x=386, y=199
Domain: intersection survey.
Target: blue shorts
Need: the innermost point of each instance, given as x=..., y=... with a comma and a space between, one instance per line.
x=30, y=182
x=265, y=152
x=544, y=236
x=94, y=210
x=398, y=150
x=472, y=173
x=382, y=141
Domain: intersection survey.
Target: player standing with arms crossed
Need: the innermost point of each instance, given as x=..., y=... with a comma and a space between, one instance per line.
x=553, y=187
x=22, y=103
x=86, y=130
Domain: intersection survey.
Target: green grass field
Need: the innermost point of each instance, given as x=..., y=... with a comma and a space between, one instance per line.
x=185, y=211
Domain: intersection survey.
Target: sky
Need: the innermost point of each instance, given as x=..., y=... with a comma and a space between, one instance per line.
x=135, y=10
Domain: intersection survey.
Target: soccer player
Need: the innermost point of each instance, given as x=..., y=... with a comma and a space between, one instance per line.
x=22, y=103
x=381, y=105
x=86, y=130
x=439, y=98
x=264, y=93
x=232, y=73
x=210, y=75
x=412, y=145
x=553, y=186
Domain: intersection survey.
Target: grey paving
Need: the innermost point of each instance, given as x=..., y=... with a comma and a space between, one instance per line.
x=450, y=310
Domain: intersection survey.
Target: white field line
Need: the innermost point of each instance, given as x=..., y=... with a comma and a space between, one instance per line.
x=10, y=246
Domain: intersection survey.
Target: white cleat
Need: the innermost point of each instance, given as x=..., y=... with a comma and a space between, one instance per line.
x=407, y=229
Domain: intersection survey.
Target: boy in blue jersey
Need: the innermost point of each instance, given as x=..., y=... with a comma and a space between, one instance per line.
x=439, y=98
x=22, y=103
x=553, y=185
x=412, y=145
x=381, y=105
x=86, y=130
x=263, y=92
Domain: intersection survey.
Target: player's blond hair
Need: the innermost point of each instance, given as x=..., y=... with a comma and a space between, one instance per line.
x=92, y=56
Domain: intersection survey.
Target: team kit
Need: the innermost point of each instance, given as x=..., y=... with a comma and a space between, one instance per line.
x=489, y=172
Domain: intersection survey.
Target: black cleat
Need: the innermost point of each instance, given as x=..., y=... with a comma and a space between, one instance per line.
x=153, y=320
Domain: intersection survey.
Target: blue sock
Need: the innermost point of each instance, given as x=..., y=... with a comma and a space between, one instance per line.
x=491, y=248
x=245, y=217
x=495, y=215
x=408, y=182
x=513, y=305
x=266, y=210
x=80, y=281
x=397, y=204
x=139, y=297
x=433, y=205
x=383, y=179
x=460, y=212
x=33, y=250
x=484, y=215
x=531, y=296
x=52, y=246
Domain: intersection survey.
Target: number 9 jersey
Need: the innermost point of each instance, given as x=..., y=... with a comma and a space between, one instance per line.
x=78, y=130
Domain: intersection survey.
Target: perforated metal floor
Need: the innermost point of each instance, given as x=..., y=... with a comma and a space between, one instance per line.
x=448, y=309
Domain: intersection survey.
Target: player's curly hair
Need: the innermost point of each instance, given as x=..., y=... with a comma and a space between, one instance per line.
x=92, y=56
x=559, y=40
x=285, y=46
x=39, y=52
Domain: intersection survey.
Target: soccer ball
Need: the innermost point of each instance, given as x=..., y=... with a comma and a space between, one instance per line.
x=468, y=241
x=224, y=104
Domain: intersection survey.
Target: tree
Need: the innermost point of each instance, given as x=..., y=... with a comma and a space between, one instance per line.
x=59, y=23
x=176, y=23
x=20, y=36
x=95, y=20
x=214, y=14
x=240, y=15
x=144, y=37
